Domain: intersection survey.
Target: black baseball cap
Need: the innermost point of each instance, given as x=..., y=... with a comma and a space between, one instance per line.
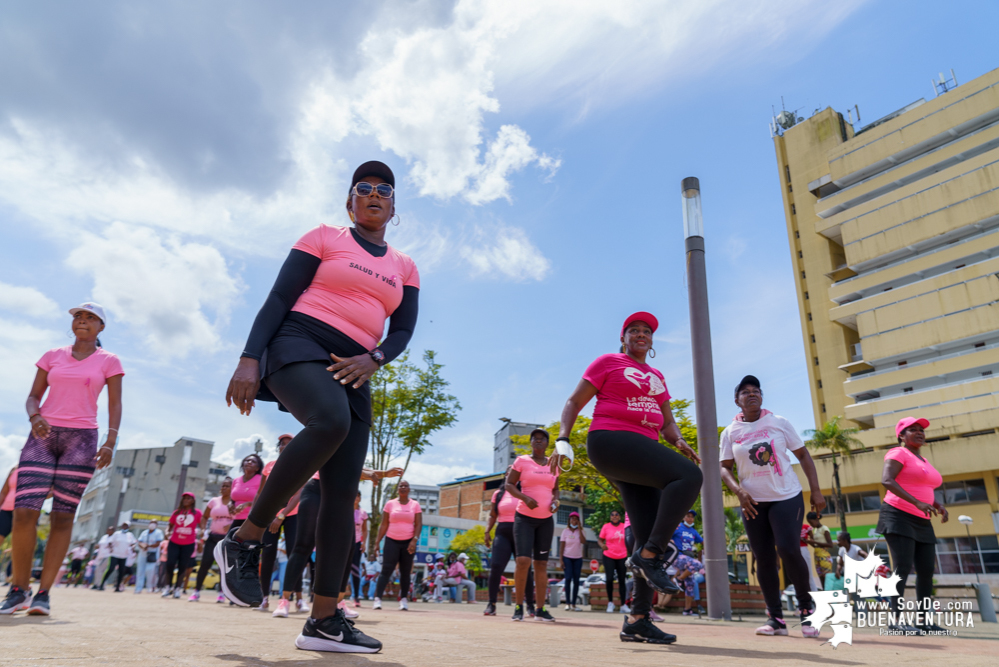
x=373, y=168
x=749, y=380
x=543, y=432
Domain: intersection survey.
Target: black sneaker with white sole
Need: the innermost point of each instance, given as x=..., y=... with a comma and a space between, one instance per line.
x=644, y=630
x=239, y=565
x=490, y=610
x=654, y=570
x=336, y=634
x=518, y=613
x=542, y=615
x=17, y=599
x=39, y=604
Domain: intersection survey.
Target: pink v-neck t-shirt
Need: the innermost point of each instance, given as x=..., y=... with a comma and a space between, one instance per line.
x=75, y=385
x=353, y=291
x=538, y=482
x=402, y=519
x=917, y=477
x=630, y=395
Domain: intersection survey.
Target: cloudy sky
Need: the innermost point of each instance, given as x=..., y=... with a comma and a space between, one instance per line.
x=162, y=159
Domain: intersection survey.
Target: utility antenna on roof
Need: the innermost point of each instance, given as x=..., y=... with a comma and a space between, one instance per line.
x=944, y=84
x=784, y=120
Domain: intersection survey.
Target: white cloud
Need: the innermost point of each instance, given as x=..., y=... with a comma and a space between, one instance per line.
x=21, y=345
x=421, y=472
x=26, y=301
x=10, y=452
x=176, y=295
x=505, y=252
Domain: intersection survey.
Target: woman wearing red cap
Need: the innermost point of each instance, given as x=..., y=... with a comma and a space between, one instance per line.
x=904, y=519
x=657, y=485
x=181, y=534
x=330, y=301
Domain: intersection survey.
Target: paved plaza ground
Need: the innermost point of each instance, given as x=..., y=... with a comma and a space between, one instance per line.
x=90, y=628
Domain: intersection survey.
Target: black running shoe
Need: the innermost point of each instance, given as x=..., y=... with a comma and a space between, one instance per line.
x=490, y=610
x=17, y=599
x=239, y=564
x=39, y=604
x=337, y=634
x=542, y=615
x=530, y=610
x=518, y=613
x=653, y=570
x=643, y=630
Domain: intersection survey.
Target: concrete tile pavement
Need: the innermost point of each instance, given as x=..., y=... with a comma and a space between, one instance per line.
x=90, y=628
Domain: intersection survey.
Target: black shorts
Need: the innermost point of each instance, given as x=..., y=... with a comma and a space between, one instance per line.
x=6, y=522
x=75, y=565
x=532, y=538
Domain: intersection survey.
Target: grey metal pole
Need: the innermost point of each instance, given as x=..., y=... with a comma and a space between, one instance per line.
x=715, y=548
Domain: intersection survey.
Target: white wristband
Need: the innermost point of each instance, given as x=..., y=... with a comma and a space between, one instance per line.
x=563, y=448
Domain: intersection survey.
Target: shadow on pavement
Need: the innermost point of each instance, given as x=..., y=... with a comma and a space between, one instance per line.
x=744, y=654
x=308, y=658
x=33, y=620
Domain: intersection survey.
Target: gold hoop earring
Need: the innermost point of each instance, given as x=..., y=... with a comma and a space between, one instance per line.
x=351, y=214
x=652, y=352
x=396, y=219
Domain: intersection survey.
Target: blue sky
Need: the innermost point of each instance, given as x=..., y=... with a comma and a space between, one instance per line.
x=162, y=160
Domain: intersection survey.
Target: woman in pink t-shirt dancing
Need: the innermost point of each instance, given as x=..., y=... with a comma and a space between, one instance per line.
x=657, y=485
x=402, y=521
x=61, y=453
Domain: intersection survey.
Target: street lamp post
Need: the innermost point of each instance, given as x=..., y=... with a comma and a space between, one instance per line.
x=986, y=609
x=715, y=547
x=184, y=463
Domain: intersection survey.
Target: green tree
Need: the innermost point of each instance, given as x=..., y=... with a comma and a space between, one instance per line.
x=841, y=442
x=473, y=544
x=408, y=405
x=734, y=528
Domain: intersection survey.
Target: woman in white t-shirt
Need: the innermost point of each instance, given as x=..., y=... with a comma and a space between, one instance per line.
x=757, y=445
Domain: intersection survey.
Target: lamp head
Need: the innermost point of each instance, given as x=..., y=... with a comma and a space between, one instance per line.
x=965, y=519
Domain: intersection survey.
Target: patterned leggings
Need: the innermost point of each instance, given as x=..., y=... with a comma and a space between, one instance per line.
x=62, y=463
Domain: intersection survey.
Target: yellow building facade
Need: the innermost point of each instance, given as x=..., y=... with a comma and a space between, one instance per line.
x=894, y=237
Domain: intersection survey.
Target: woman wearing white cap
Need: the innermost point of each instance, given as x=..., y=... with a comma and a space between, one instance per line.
x=909, y=503
x=61, y=451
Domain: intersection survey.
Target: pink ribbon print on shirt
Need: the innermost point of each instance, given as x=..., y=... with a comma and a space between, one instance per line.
x=762, y=454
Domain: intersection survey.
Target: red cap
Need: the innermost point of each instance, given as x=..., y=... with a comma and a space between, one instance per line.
x=641, y=316
x=187, y=493
x=906, y=422
x=286, y=435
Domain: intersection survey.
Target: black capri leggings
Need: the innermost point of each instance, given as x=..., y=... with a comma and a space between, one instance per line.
x=353, y=569
x=778, y=526
x=906, y=554
x=657, y=485
x=532, y=537
x=612, y=567
x=305, y=536
x=334, y=442
x=179, y=556
x=269, y=555
x=396, y=552
x=502, y=550
x=207, y=559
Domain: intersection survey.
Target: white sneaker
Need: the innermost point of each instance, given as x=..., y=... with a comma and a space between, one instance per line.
x=264, y=606
x=282, y=609
x=377, y=604
x=302, y=606
x=625, y=609
x=610, y=607
x=347, y=611
x=176, y=594
x=403, y=606
x=568, y=608
x=167, y=593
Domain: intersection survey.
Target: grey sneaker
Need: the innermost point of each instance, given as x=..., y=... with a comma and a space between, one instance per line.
x=39, y=604
x=17, y=599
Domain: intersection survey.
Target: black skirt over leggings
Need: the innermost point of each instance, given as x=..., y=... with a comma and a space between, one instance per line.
x=912, y=545
x=396, y=552
x=658, y=487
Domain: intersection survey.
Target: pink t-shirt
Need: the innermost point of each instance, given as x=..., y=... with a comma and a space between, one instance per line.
x=218, y=512
x=185, y=526
x=360, y=516
x=917, y=477
x=352, y=290
x=629, y=395
x=572, y=543
x=457, y=571
x=614, y=537
x=402, y=519
x=8, y=502
x=75, y=385
x=538, y=482
x=244, y=492
x=267, y=473
x=507, y=508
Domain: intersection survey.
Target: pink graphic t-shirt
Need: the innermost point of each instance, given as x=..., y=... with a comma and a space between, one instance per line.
x=8, y=502
x=360, y=516
x=629, y=395
x=614, y=537
x=352, y=290
x=917, y=477
x=75, y=385
x=185, y=526
x=267, y=473
x=507, y=508
x=402, y=519
x=538, y=482
x=244, y=492
x=218, y=512
x=573, y=542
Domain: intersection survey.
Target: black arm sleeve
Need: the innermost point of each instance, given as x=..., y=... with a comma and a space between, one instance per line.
x=402, y=323
x=295, y=276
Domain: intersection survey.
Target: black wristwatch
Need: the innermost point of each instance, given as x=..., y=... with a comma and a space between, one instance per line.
x=378, y=356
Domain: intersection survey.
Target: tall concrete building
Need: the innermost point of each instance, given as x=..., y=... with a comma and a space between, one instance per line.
x=894, y=236
x=503, y=448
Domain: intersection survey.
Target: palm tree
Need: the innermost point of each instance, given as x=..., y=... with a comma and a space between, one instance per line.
x=840, y=442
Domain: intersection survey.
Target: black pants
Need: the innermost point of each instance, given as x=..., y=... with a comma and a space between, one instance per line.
x=269, y=554
x=396, y=552
x=207, y=559
x=658, y=487
x=334, y=441
x=502, y=550
x=573, y=569
x=907, y=553
x=776, y=531
x=629, y=539
x=353, y=568
x=305, y=536
x=612, y=567
x=178, y=556
x=116, y=564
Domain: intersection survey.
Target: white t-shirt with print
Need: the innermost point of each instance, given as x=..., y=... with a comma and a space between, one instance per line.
x=760, y=451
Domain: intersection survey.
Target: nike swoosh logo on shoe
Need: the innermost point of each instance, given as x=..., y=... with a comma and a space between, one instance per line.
x=337, y=638
x=228, y=568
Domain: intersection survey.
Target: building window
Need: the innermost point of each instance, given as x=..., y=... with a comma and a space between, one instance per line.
x=820, y=381
x=806, y=295
x=787, y=173
x=865, y=501
x=823, y=407
x=957, y=493
x=816, y=361
x=800, y=256
x=813, y=338
x=793, y=211
x=796, y=234
x=963, y=555
x=906, y=390
x=563, y=513
x=809, y=317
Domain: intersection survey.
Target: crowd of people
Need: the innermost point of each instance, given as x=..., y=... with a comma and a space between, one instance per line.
x=315, y=343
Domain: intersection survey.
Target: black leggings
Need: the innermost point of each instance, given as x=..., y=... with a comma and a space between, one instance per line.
x=658, y=487
x=907, y=553
x=305, y=536
x=502, y=550
x=207, y=559
x=179, y=556
x=334, y=442
x=353, y=568
x=614, y=566
x=269, y=555
x=395, y=552
x=116, y=564
x=778, y=526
